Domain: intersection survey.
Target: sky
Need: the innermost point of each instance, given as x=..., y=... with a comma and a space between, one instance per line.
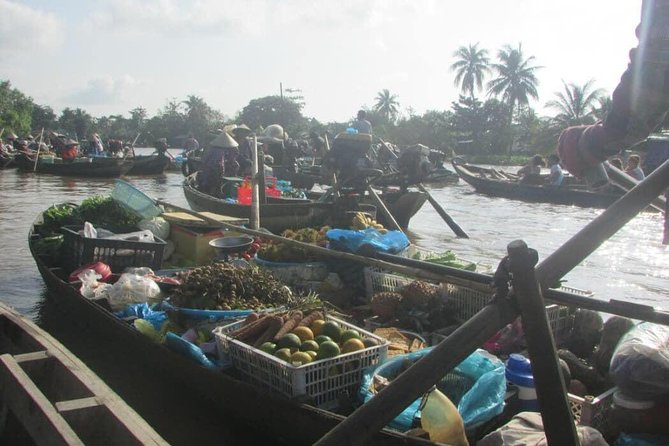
x=111, y=56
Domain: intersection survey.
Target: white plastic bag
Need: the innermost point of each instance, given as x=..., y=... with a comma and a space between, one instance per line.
x=158, y=226
x=89, y=230
x=132, y=289
x=90, y=287
x=138, y=236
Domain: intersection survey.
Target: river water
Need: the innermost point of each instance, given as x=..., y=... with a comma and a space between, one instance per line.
x=633, y=265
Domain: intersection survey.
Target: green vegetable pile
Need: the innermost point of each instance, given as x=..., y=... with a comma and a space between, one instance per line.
x=447, y=258
x=100, y=211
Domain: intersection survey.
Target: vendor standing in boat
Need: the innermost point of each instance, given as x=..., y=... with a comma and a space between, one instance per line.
x=361, y=124
x=70, y=151
x=241, y=134
x=213, y=161
x=190, y=144
x=556, y=176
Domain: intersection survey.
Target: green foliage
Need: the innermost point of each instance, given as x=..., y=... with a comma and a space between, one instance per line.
x=105, y=212
x=15, y=109
x=269, y=110
x=76, y=122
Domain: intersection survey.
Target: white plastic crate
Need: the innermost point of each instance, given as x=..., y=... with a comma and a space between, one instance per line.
x=591, y=411
x=323, y=380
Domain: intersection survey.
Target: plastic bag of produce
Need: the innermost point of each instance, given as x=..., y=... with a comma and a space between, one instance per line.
x=476, y=386
x=158, y=226
x=640, y=363
x=351, y=240
x=90, y=287
x=131, y=289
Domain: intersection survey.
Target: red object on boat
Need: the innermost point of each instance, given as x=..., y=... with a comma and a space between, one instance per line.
x=101, y=268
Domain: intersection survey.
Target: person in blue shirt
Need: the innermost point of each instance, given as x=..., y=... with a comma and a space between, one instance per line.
x=556, y=176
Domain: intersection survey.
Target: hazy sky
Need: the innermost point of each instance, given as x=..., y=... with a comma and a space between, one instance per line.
x=110, y=56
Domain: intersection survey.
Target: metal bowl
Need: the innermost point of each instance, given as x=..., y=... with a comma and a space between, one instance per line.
x=231, y=244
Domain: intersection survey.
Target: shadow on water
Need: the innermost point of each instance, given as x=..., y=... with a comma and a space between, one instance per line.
x=178, y=415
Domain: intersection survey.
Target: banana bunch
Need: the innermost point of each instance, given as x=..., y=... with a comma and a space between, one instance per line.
x=362, y=221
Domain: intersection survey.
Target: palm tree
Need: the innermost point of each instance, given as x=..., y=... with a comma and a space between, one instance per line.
x=387, y=104
x=576, y=104
x=516, y=80
x=470, y=68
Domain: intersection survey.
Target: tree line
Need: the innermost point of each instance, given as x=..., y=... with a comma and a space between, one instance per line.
x=499, y=123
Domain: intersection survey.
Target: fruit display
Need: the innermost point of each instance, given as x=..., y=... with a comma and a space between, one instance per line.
x=223, y=286
x=282, y=252
x=364, y=221
x=299, y=338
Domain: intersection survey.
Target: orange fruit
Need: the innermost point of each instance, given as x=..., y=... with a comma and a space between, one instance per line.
x=309, y=345
x=290, y=340
x=283, y=353
x=299, y=358
x=328, y=349
x=304, y=333
x=352, y=345
x=317, y=326
x=332, y=329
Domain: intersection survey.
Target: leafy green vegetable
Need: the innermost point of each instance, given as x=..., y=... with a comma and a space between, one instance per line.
x=447, y=258
x=48, y=246
x=106, y=213
x=57, y=216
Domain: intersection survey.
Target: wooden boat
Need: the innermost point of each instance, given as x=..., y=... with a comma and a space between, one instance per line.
x=148, y=164
x=290, y=422
x=55, y=397
x=86, y=167
x=501, y=184
x=276, y=215
x=284, y=213
x=7, y=161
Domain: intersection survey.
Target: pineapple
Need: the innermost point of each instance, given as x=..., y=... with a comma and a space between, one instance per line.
x=418, y=294
x=385, y=304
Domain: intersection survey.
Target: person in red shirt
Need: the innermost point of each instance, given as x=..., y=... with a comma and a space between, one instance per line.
x=71, y=151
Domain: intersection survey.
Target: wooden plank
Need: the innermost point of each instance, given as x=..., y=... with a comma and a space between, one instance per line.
x=78, y=404
x=34, y=356
x=32, y=408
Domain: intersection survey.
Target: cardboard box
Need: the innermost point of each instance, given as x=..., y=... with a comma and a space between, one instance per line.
x=193, y=244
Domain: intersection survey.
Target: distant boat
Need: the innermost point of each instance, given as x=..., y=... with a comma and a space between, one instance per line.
x=507, y=185
x=149, y=164
x=97, y=167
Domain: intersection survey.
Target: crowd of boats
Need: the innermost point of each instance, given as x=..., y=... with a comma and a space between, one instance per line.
x=355, y=270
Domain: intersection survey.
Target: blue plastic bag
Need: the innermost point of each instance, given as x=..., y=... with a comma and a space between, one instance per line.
x=145, y=311
x=481, y=402
x=351, y=240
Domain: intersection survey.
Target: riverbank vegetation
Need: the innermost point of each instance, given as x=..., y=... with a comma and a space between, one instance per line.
x=500, y=125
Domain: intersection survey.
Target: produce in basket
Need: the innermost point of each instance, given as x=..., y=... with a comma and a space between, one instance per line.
x=282, y=252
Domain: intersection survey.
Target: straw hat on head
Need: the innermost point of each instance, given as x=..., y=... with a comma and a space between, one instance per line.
x=241, y=131
x=12, y=136
x=229, y=128
x=274, y=134
x=224, y=141
x=71, y=142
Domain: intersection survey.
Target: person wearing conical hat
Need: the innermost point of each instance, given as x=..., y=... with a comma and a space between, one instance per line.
x=241, y=134
x=214, y=161
x=70, y=151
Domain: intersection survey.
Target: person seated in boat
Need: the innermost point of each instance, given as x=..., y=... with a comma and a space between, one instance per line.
x=70, y=151
x=530, y=172
x=361, y=124
x=12, y=141
x=273, y=141
x=556, y=176
x=632, y=168
x=190, y=144
x=115, y=148
x=317, y=144
x=213, y=161
x=161, y=146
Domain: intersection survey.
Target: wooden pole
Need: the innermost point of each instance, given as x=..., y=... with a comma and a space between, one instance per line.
x=442, y=213
x=576, y=249
x=255, y=205
x=371, y=417
x=39, y=147
x=384, y=210
x=556, y=414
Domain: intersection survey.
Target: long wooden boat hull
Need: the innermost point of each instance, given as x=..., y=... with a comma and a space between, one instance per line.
x=498, y=187
x=289, y=421
x=7, y=162
x=276, y=216
x=97, y=168
x=149, y=165
x=40, y=375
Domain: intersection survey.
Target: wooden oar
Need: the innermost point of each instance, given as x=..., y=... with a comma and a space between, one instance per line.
x=442, y=213
x=384, y=210
x=39, y=147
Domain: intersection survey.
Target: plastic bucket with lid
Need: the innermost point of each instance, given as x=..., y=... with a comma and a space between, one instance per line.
x=519, y=373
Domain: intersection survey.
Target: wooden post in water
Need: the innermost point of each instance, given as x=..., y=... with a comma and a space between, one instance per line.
x=39, y=147
x=421, y=376
x=255, y=205
x=556, y=414
x=442, y=213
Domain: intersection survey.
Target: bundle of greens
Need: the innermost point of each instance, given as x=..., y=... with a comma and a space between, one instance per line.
x=447, y=258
